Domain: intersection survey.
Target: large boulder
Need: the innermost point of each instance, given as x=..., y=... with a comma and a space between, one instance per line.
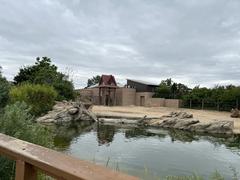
x=235, y=113
x=215, y=127
x=179, y=115
x=185, y=121
x=68, y=111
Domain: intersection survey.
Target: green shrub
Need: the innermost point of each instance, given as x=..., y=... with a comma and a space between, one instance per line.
x=65, y=90
x=40, y=98
x=16, y=121
x=4, y=90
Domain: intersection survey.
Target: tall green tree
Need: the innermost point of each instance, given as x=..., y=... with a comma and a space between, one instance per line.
x=93, y=81
x=4, y=90
x=170, y=89
x=44, y=72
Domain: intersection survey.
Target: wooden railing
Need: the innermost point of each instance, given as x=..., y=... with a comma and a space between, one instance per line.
x=31, y=158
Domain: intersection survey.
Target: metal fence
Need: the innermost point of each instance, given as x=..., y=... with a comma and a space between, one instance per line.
x=210, y=105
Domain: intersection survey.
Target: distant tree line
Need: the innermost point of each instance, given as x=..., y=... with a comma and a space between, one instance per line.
x=217, y=98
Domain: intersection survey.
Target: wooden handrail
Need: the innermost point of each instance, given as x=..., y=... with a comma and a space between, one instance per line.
x=31, y=158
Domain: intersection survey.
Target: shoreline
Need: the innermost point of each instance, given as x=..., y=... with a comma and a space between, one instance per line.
x=155, y=115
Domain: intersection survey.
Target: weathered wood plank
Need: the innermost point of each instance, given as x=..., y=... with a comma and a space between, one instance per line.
x=25, y=171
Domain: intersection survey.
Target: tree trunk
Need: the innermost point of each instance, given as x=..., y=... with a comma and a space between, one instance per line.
x=218, y=106
x=190, y=103
x=237, y=103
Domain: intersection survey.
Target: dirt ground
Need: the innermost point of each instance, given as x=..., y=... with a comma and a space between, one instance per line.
x=138, y=111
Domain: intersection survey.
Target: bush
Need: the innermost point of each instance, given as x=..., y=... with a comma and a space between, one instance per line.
x=40, y=98
x=65, y=90
x=16, y=121
x=4, y=90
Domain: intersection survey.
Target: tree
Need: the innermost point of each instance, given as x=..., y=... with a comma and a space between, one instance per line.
x=44, y=72
x=171, y=89
x=4, y=90
x=93, y=81
x=163, y=91
x=217, y=95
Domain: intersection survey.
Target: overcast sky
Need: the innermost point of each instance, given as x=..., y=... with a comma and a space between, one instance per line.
x=196, y=42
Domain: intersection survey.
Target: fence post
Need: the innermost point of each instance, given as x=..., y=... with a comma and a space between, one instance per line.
x=25, y=171
x=218, y=106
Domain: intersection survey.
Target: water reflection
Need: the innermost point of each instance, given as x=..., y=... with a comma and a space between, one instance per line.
x=163, y=152
x=105, y=134
x=65, y=134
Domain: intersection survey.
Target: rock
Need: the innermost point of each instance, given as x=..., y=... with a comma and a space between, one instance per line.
x=73, y=111
x=68, y=111
x=235, y=113
x=224, y=127
x=185, y=121
x=180, y=115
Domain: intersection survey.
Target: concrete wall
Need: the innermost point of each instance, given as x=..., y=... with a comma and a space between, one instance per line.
x=145, y=95
x=155, y=102
x=175, y=103
x=119, y=97
x=125, y=96
x=129, y=96
x=85, y=92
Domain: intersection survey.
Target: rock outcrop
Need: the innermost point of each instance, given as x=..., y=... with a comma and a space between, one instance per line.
x=185, y=121
x=68, y=111
x=235, y=113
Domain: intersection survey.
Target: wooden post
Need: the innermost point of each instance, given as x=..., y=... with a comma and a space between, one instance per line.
x=99, y=93
x=25, y=171
x=202, y=104
x=114, y=97
x=109, y=96
x=190, y=103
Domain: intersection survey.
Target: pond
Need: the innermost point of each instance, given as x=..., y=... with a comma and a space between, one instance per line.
x=150, y=153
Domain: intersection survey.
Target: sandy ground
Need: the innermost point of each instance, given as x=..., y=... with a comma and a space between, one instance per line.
x=137, y=111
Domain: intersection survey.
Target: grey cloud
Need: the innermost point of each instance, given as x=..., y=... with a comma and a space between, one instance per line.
x=192, y=41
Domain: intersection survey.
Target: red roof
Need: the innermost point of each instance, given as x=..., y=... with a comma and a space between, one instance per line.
x=107, y=80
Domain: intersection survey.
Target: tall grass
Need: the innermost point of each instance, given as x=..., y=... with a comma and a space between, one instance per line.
x=16, y=121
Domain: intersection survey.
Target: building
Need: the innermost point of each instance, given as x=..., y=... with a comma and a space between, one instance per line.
x=141, y=86
x=107, y=90
x=135, y=92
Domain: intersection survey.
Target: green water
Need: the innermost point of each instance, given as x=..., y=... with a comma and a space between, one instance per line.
x=150, y=153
